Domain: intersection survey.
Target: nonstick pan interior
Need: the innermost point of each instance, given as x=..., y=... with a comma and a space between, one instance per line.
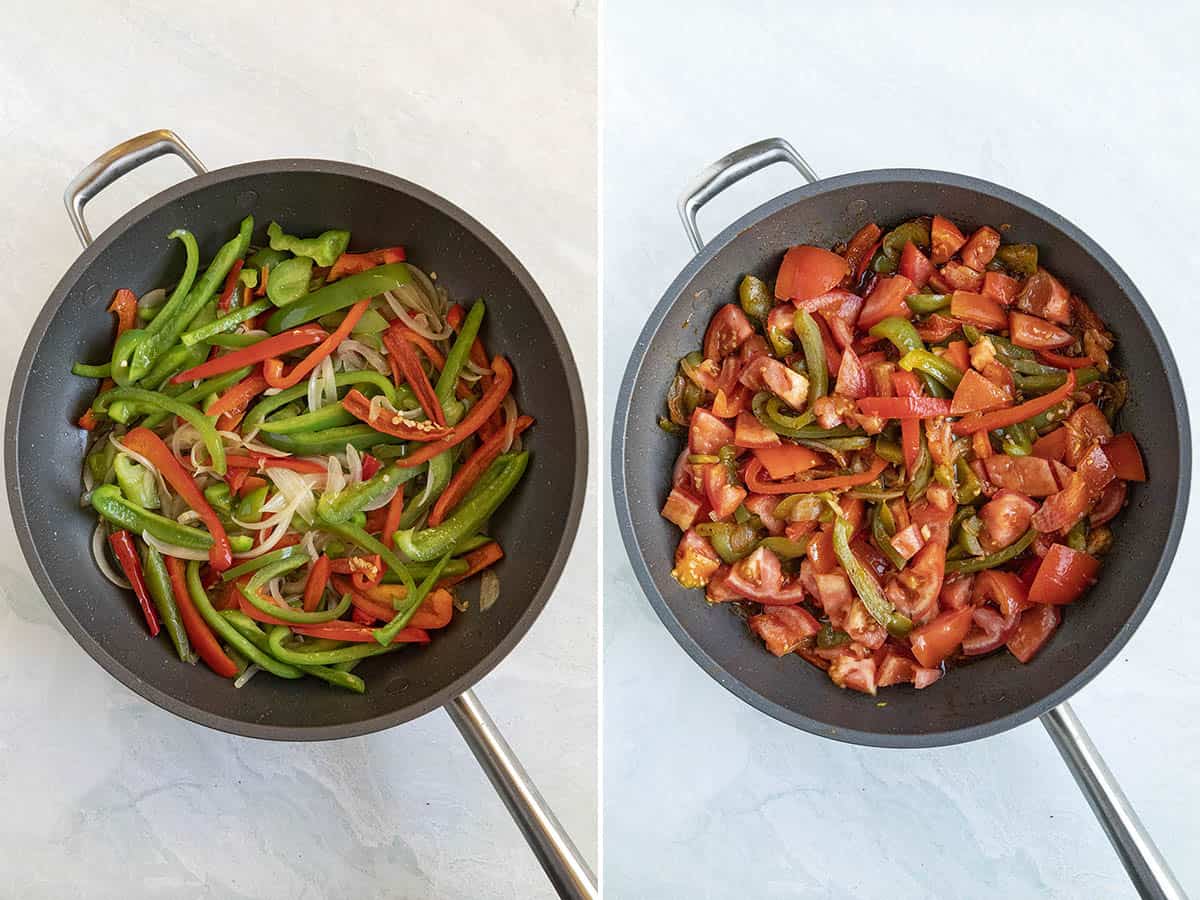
x=44, y=450
x=996, y=692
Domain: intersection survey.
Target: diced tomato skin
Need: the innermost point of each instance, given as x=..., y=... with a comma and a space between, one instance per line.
x=976, y=309
x=856, y=674
x=1052, y=445
x=1125, y=457
x=1084, y=427
x=1037, y=624
x=956, y=592
x=1063, y=576
x=1029, y=475
x=766, y=373
x=961, y=278
x=723, y=497
x=937, y=328
x=695, y=561
x=757, y=577
x=1044, y=295
x=787, y=460
x=1000, y=287
x=976, y=394
x=1085, y=486
x=682, y=508
x=886, y=299
x=751, y=434
x=861, y=248
x=726, y=332
x=1005, y=518
x=707, y=434
x=808, y=271
x=915, y=265
x=933, y=642
x=783, y=628
x=852, y=377
x=958, y=354
x=945, y=238
x=1033, y=333
x=1110, y=504
x=908, y=541
x=1002, y=588
x=979, y=250
x=763, y=506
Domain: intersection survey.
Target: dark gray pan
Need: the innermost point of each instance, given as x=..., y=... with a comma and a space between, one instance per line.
x=43, y=450
x=995, y=693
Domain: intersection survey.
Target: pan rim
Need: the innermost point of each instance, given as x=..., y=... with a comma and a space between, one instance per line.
x=619, y=461
x=182, y=708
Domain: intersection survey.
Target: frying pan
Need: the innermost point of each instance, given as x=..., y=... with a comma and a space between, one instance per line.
x=43, y=455
x=995, y=693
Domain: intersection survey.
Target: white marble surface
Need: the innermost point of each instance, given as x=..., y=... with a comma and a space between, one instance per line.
x=108, y=796
x=1085, y=110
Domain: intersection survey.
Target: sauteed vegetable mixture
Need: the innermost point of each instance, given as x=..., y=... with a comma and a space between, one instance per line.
x=900, y=454
x=294, y=456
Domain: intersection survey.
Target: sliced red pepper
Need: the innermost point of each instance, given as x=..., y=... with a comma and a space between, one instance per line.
x=231, y=406
x=423, y=343
x=470, y=472
x=263, y=275
x=477, y=560
x=862, y=247
x=261, y=462
x=318, y=579
x=905, y=407
x=395, y=509
x=406, y=366
x=265, y=349
x=148, y=444
x=126, y=553
x=353, y=263
x=1050, y=358
x=273, y=367
x=198, y=632
x=906, y=385
x=1124, y=457
x=1002, y=418
x=757, y=485
x=385, y=422
x=353, y=632
x=231, y=281
x=125, y=306
x=370, y=466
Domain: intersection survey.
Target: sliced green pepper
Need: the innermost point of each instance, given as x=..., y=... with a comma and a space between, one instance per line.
x=83, y=370
x=755, y=297
x=829, y=637
x=158, y=580
x=268, y=405
x=249, y=508
x=193, y=416
x=332, y=415
x=924, y=304
x=225, y=323
x=136, y=481
x=340, y=506
x=216, y=385
x=969, y=487
x=385, y=635
x=338, y=295
x=219, y=496
x=868, y=590
x=991, y=561
x=931, y=364
x=251, y=591
x=883, y=540
x=1020, y=259
x=903, y=336
x=814, y=355
x=108, y=501
x=732, y=542
x=325, y=248
x=289, y=280
x=303, y=658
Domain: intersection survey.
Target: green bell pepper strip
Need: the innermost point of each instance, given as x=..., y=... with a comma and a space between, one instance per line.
x=248, y=278
x=915, y=230
x=177, y=359
x=420, y=570
x=302, y=659
x=969, y=487
x=342, y=293
x=332, y=415
x=991, y=561
x=868, y=590
x=250, y=590
x=121, y=365
x=179, y=311
x=225, y=323
x=1016, y=440
x=235, y=341
x=475, y=509
x=839, y=444
x=1019, y=258
x=158, y=580
x=266, y=257
x=357, y=535
x=1077, y=536
x=786, y=548
x=259, y=412
x=136, y=481
x=968, y=536
x=1007, y=351
x=1043, y=384
x=249, y=508
x=780, y=343
x=412, y=602
x=192, y=395
x=768, y=409
x=331, y=440
x=1050, y=417
x=261, y=562
x=813, y=346
x=922, y=473
x=829, y=637
x=83, y=370
x=889, y=450
x=251, y=631
x=924, y=304
x=325, y=248
x=193, y=416
x=147, y=313
x=219, y=497
x=1033, y=367
x=930, y=363
x=732, y=542
x=903, y=336
x=289, y=280
x=755, y=297
x=340, y=506
x=370, y=322
x=111, y=505
x=130, y=361
x=100, y=461
x=457, y=357
x=883, y=540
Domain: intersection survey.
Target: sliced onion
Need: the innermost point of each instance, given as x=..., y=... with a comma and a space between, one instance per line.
x=353, y=465
x=321, y=385
x=89, y=481
x=420, y=322
x=335, y=481
x=265, y=449
x=187, y=517
x=151, y=299
x=142, y=461
x=351, y=351
x=250, y=672
x=434, y=297
x=174, y=549
x=382, y=501
x=489, y=589
x=509, y=405
x=476, y=369
x=101, y=557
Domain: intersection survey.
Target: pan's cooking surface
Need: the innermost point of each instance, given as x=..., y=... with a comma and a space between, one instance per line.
x=44, y=450
x=994, y=693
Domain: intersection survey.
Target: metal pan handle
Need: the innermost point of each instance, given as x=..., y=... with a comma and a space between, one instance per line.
x=118, y=161
x=729, y=170
x=1147, y=869
x=562, y=862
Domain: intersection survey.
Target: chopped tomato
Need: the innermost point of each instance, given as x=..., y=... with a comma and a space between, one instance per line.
x=945, y=238
x=937, y=328
x=961, y=278
x=976, y=394
x=907, y=541
x=1084, y=427
x=1084, y=488
x=1111, y=501
x=752, y=434
x=1034, y=333
x=682, y=507
x=852, y=377
x=915, y=265
x=979, y=250
x=956, y=591
x=905, y=407
x=1044, y=295
x=726, y=332
x=915, y=590
x=1036, y=625
x=1000, y=287
x=1028, y=475
x=933, y=642
x=788, y=460
x=1052, y=445
x=1005, y=518
x=1063, y=576
x=990, y=630
x=765, y=373
x=808, y=271
x=1125, y=457
x=763, y=506
x=978, y=310
x=886, y=299
x=729, y=406
x=784, y=628
x=958, y=354
x=723, y=497
x=897, y=669
x=1001, y=588
x=707, y=434
x=695, y=561
x=857, y=674
x=757, y=577
x=862, y=627
x=861, y=248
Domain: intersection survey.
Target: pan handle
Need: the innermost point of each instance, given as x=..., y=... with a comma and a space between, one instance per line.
x=729, y=170
x=564, y=865
x=1146, y=867
x=118, y=161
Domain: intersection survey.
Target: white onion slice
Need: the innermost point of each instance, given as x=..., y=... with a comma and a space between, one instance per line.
x=489, y=589
x=174, y=549
x=353, y=465
x=509, y=405
x=382, y=501
x=250, y=672
x=101, y=557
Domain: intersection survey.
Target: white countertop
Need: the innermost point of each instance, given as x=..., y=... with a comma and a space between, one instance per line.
x=107, y=795
x=1089, y=113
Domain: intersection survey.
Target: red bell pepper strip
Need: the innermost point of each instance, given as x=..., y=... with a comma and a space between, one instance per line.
x=126, y=553
x=261, y=462
x=455, y=316
x=757, y=485
x=231, y=281
x=905, y=407
x=342, y=630
x=386, y=422
x=365, y=571
x=264, y=275
x=230, y=407
x=907, y=385
x=406, y=366
x=198, y=632
x=426, y=346
x=1050, y=358
x=353, y=263
x=125, y=306
x=314, y=587
x=148, y=444
x=471, y=470
x=395, y=509
x=377, y=609
x=265, y=349
x=472, y=422
x=477, y=560
x=273, y=368
x=1002, y=418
